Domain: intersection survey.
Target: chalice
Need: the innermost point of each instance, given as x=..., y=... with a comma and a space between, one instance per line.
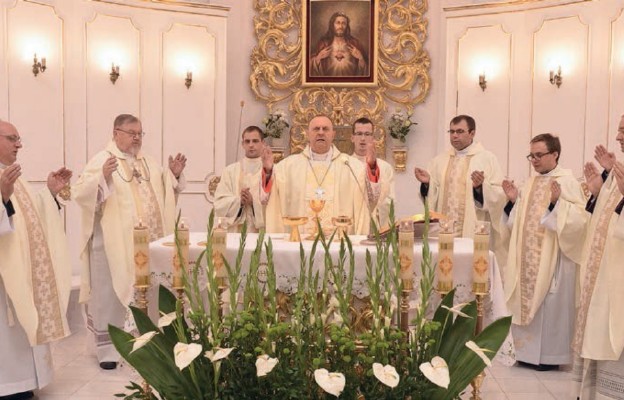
x=341, y=222
x=316, y=205
x=294, y=223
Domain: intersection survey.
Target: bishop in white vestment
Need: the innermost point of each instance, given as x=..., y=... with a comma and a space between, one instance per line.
x=35, y=273
x=237, y=198
x=319, y=172
x=599, y=333
x=118, y=187
x=547, y=219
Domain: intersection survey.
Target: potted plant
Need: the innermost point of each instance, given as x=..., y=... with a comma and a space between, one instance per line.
x=399, y=126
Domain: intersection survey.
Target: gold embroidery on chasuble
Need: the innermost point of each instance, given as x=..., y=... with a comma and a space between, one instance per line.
x=323, y=172
x=532, y=238
x=45, y=293
x=454, y=204
x=147, y=207
x=248, y=179
x=598, y=242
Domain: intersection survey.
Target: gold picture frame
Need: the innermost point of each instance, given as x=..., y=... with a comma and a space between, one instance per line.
x=339, y=40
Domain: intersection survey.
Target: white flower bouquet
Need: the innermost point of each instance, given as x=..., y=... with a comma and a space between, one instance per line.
x=274, y=124
x=399, y=125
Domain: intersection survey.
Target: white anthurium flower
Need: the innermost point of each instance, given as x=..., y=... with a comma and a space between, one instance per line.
x=331, y=382
x=265, y=364
x=386, y=374
x=220, y=354
x=457, y=310
x=184, y=354
x=167, y=319
x=334, y=303
x=436, y=371
x=142, y=340
x=480, y=352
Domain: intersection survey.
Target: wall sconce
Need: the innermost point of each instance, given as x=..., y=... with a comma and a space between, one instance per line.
x=38, y=66
x=482, y=81
x=189, y=79
x=114, y=74
x=555, y=79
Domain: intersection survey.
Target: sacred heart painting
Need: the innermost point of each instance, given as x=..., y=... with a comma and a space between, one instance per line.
x=340, y=42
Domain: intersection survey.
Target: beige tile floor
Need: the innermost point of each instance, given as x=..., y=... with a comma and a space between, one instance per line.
x=78, y=376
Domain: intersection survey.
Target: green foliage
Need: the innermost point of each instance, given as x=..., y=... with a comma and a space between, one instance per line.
x=319, y=329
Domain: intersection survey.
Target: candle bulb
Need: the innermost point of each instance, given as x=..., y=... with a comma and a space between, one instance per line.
x=183, y=242
x=406, y=249
x=445, y=256
x=480, y=263
x=219, y=245
x=141, y=254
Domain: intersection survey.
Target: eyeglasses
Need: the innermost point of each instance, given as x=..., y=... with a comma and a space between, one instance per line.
x=537, y=156
x=366, y=134
x=133, y=134
x=13, y=138
x=458, y=131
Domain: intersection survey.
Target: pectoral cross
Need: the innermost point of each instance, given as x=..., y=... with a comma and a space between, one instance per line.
x=319, y=192
x=136, y=174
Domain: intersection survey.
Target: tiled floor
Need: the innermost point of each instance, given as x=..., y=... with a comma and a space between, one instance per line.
x=78, y=377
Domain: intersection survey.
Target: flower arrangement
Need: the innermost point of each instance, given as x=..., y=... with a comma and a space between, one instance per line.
x=252, y=350
x=400, y=125
x=274, y=124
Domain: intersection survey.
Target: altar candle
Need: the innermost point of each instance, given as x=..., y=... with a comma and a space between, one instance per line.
x=480, y=263
x=406, y=249
x=183, y=239
x=445, y=256
x=219, y=245
x=141, y=254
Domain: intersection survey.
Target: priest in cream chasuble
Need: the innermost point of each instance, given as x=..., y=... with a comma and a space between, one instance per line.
x=464, y=183
x=319, y=172
x=35, y=272
x=547, y=219
x=237, y=198
x=363, y=146
x=118, y=187
x=599, y=333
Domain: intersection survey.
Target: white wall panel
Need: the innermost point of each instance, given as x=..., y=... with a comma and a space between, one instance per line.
x=486, y=50
x=562, y=43
x=111, y=39
x=616, y=94
x=35, y=103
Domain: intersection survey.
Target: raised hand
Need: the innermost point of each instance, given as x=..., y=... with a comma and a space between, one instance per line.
x=371, y=154
x=604, y=157
x=267, y=159
x=555, y=191
x=7, y=180
x=177, y=164
x=355, y=52
x=510, y=189
x=618, y=172
x=477, y=178
x=323, y=53
x=592, y=178
x=422, y=175
x=109, y=167
x=57, y=180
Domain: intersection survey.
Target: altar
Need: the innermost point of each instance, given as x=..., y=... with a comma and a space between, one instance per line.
x=286, y=259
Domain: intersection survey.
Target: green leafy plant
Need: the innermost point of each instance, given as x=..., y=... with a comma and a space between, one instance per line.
x=245, y=342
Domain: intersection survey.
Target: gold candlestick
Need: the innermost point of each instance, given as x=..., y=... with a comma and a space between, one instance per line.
x=406, y=259
x=180, y=251
x=317, y=206
x=222, y=285
x=219, y=246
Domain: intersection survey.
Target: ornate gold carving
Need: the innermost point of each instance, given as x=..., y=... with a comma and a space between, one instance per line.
x=403, y=68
